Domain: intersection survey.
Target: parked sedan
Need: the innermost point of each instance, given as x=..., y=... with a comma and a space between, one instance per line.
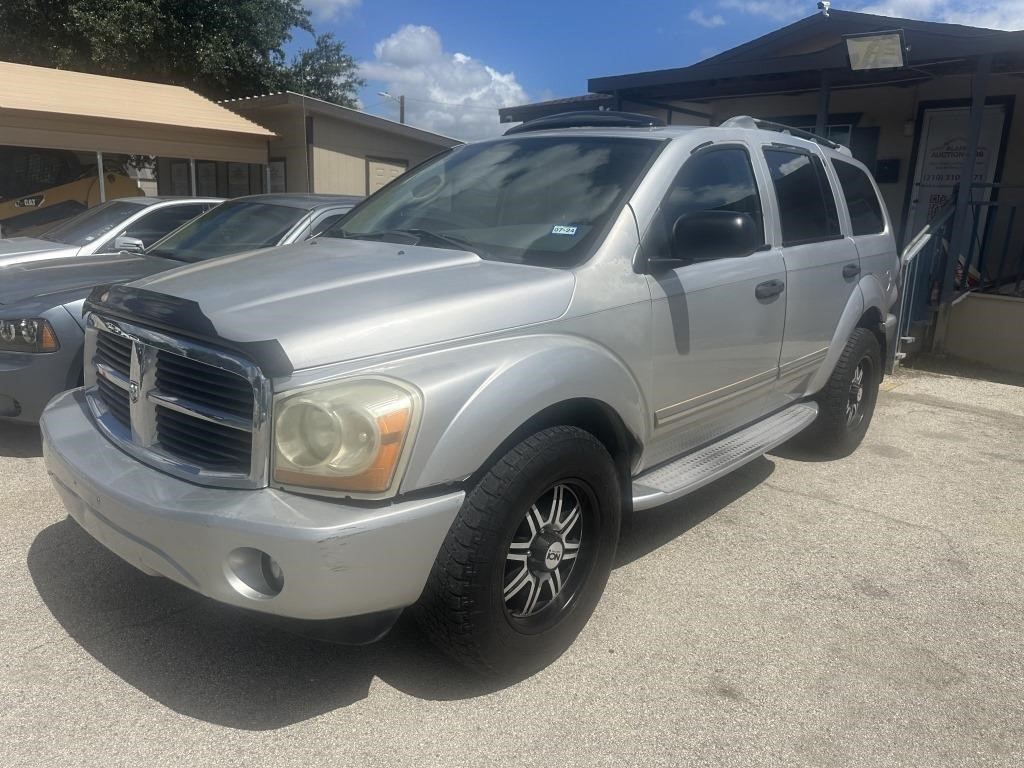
x=41, y=327
x=127, y=224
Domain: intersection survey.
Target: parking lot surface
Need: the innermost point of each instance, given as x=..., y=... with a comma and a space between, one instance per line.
x=860, y=612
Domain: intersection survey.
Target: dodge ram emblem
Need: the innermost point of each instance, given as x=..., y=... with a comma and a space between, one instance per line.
x=133, y=391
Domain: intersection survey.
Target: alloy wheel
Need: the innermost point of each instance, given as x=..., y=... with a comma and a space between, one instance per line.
x=855, y=403
x=543, y=556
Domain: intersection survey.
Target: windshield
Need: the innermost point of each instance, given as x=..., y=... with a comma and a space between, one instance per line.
x=231, y=227
x=537, y=200
x=92, y=224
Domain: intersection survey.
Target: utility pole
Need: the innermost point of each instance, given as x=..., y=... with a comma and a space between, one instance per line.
x=401, y=104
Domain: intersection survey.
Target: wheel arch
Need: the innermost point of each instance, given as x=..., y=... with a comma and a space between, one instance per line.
x=586, y=413
x=864, y=309
x=874, y=321
x=528, y=386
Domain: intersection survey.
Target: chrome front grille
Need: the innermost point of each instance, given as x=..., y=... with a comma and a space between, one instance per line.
x=213, y=445
x=116, y=399
x=191, y=410
x=115, y=352
x=202, y=385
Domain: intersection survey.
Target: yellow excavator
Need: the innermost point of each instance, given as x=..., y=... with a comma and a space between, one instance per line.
x=40, y=187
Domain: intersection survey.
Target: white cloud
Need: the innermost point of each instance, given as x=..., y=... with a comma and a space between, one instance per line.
x=450, y=93
x=697, y=16
x=784, y=10
x=992, y=14
x=324, y=10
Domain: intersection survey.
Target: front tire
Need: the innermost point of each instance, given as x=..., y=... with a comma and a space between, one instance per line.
x=847, y=401
x=528, y=556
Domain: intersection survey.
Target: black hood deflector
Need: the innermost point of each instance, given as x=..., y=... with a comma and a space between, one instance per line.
x=178, y=316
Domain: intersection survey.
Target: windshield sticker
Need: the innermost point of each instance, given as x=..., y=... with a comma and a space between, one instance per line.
x=561, y=229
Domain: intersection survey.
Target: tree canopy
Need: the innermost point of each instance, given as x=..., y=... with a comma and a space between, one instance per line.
x=219, y=48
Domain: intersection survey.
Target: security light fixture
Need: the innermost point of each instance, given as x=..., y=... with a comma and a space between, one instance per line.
x=876, y=50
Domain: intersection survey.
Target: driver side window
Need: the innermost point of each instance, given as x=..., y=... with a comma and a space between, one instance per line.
x=717, y=182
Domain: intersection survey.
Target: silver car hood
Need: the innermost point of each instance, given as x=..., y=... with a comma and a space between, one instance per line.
x=15, y=250
x=333, y=300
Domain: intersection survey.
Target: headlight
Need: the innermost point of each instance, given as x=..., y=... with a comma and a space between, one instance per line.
x=27, y=336
x=348, y=436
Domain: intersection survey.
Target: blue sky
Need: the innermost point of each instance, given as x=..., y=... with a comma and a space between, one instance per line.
x=457, y=60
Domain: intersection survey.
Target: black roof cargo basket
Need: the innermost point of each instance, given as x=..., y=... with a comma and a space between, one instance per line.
x=588, y=119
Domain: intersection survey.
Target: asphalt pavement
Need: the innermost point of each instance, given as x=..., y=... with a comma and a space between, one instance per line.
x=862, y=612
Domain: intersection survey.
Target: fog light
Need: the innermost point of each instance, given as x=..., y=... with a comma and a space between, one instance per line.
x=253, y=573
x=272, y=573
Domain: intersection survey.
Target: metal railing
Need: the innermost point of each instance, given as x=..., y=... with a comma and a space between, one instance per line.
x=993, y=261
x=996, y=257
x=923, y=263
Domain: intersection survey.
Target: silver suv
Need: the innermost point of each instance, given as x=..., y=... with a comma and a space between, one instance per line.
x=451, y=398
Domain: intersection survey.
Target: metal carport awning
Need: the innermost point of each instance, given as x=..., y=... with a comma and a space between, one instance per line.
x=60, y=109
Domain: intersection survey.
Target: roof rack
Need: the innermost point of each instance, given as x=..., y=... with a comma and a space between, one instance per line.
x=745, y=121
x=588, y=119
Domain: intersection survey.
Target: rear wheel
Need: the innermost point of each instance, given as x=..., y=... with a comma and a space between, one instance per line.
x=528, y=556
x=847, y=402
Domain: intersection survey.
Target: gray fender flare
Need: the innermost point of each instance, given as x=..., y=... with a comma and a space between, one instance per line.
x=517, y=380
x=867, y=294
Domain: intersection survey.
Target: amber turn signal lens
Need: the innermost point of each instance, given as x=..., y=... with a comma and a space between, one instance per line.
x=48, y=339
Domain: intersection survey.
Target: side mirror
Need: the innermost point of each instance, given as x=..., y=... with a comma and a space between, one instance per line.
x=708, y=235
x=125, y=243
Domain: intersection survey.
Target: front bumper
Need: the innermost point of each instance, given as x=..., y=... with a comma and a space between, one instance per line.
x=338, y=560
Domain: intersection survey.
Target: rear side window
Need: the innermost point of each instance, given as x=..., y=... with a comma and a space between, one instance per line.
x=861, y=201
x=807, y=208
x=156, y=224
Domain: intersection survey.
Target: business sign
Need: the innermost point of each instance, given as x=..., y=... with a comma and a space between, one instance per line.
x=940, y=161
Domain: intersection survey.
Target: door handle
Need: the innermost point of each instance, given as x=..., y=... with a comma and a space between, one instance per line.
x=769, y=288
x=851, y=270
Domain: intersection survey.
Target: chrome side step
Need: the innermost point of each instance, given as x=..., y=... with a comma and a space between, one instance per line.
x=690, y=472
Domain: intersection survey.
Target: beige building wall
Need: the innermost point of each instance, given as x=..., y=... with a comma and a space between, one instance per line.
x=327, y=148
x=341, y=150
x=986, y=328
x=290, y=125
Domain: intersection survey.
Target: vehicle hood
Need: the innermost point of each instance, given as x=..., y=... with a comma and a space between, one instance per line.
x=17, y=249
x=334, y=300
x=45, y=284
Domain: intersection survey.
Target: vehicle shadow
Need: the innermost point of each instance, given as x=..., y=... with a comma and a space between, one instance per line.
x=20, y=441
x=796, y=450
x=646, y=531
x=241, y=670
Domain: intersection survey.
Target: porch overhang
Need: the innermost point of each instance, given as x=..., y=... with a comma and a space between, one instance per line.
x=792, y=60
x=799, y=58
x=60, y=109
